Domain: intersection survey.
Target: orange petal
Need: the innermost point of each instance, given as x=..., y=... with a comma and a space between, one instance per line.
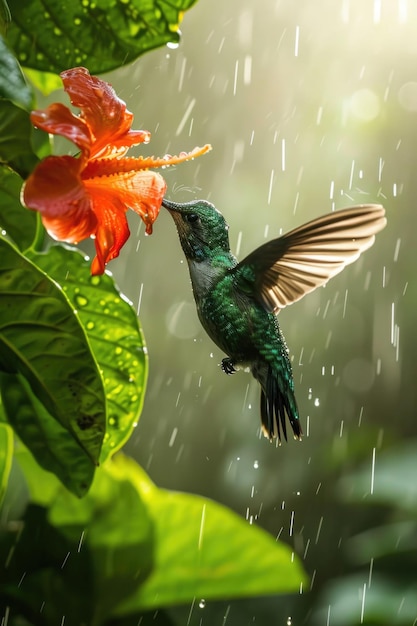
x=103, y=111
x=121, y=145
x=112, y=229
x=56, y=190
x=58, y=120
x=141, y=191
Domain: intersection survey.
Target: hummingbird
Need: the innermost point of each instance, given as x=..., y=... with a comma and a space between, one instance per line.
x=238, y=302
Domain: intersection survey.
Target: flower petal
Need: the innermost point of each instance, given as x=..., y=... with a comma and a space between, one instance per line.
x=141, y=191
x=112, y=230
x=103, y=111
x=58, y=120
x=56, y=190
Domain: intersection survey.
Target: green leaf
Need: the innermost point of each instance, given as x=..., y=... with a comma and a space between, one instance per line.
x=82, y=557
x=138, y=547
x=15, y=144
x=119, y=534
x=43, y=486
x=6, y=454
x=42, y=338
x=20, y=224
x=100, y=35
x=115, y=337
x=44, y=81
x=13, y=85
x=205, y=551
x=49, y=442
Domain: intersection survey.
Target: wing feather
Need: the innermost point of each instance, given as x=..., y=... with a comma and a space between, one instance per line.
x=287, y=268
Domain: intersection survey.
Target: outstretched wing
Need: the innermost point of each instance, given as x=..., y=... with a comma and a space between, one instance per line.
x=285, y=269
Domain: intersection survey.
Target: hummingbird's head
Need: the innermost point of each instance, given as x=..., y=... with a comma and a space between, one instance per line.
x=201, y=227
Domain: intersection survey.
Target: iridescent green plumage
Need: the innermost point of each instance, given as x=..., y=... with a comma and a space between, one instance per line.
x=237, y=303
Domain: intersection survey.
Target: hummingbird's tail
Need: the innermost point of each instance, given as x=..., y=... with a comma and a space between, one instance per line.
x=277, y=404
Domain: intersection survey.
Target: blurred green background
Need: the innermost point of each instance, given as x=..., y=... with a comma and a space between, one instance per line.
x=309, y=107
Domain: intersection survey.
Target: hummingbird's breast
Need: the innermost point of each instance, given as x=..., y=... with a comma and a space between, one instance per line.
x=229, y=318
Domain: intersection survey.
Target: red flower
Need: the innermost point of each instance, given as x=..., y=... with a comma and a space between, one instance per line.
x=88, y=195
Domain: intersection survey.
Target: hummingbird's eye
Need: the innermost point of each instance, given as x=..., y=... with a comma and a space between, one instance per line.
x=192, y=218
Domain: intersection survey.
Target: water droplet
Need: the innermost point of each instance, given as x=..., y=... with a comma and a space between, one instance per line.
x=89, y=325
x=256, y=465
x=202, y=603
x=173, y=45
x=289, y=621
x=81, y=301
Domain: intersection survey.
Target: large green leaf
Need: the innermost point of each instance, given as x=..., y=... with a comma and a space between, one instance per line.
x=204, y=551
x=13, y=85
x=6, y=452
x=42, y=339
x=115, y=337
x=49, y=442
x=21, y=224
x=101, y=35
x=137, y=546
x=15, y=144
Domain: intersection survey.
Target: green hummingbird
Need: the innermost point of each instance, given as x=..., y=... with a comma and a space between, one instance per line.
x=237, y=302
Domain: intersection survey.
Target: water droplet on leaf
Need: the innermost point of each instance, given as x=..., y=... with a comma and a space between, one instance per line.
x=81, y=301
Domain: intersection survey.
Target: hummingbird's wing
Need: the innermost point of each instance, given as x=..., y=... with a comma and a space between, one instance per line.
x=283, y=270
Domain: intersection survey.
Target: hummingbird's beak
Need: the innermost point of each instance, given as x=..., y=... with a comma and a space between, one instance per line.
x=171, y=206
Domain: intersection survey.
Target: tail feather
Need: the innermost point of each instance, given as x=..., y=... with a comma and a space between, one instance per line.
x=277, y=406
